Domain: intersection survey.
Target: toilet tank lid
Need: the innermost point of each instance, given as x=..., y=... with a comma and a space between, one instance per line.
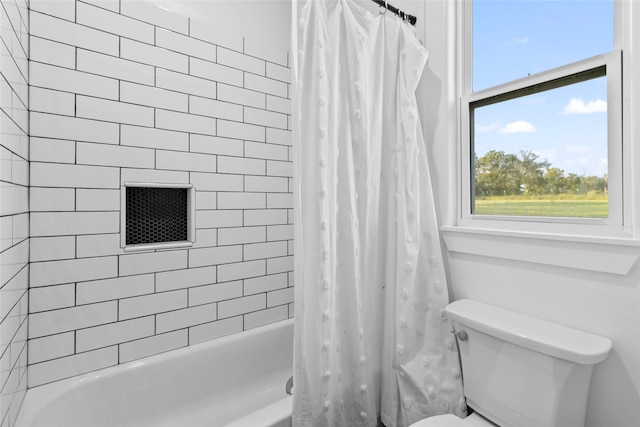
x=530, y=332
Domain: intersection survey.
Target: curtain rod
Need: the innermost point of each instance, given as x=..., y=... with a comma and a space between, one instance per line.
x=410, y=18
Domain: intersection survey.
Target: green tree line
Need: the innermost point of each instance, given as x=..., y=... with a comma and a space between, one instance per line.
x=500, y=174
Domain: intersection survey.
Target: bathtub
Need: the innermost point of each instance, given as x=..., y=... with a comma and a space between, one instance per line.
x=234, y=381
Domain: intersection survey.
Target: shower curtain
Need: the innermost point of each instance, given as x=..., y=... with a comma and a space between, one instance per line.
x=371, y=338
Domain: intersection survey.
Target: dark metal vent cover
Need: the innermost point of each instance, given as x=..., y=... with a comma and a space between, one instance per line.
x=156, y=215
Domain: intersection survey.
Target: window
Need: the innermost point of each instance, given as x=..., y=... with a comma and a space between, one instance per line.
x=157, y=216
x=541, y=113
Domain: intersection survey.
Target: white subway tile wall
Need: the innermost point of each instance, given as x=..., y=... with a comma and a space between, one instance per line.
x=14, y=206
x=126, y=91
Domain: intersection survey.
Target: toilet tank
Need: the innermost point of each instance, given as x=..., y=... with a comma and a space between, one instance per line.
x=520, y=371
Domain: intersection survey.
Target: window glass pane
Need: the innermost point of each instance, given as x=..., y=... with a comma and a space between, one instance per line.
x=543, y=154
x=513, y=39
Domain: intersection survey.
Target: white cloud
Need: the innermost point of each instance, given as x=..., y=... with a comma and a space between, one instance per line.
x=519, y=126
x=575, y=149
x=487, y=128
x=519, y=40
x=578, y=106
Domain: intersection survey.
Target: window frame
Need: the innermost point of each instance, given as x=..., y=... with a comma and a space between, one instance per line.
x=618, y=222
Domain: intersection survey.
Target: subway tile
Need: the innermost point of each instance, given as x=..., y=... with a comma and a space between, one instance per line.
x=12, y=295
x=279, y=232
x=114, y=155
x=6, y=232
x=52, y=248
x=279, y=136
x=151, y=304
x=215, y=34
x=212, y=108
x=185, y=318
x=216, y=182
x=61, y=127
x=266, y=184
x=265, y=118
x=14, y=199
x=152, y=55
x=185, y=161
x=240, y=165
x=264, y=317
x=215, y=292
x=70, y=33
x=51, y=101
x=52, y=150
x=13, y=260
x=112, y=5
x=187, y=278
x=241, y=96
x=154, y=138
x=214, y=256
x=51, y=347
x=265, y=217
x=206, y=200
x=241, y=61
x=114, y=333
x=66, y=367
x=20, y=227
x=185, y=44
x=275, y=201
x=152, y=262
x=279, y=265
x=241, y=200
x=153, y=345
x=291, y=310
x=185, y=83
x=116, y=288
x=153, y=97
x=264, y=48
x=114, y=67
x=68, y=319
x=261, y=150
x=94, y=245
x=215, y=145
x=74, y=176
x=14, y=138
x=265, y=283
x=235, y=307
x=265, y=250
x=205, y=238
x=278, y=72
x=59, y=8
x=57, y=78
x=237, y=130
x=65, y=223
x=115, y=23
x=51, y=297
x=213, y=330
x=114, y=111
x=148, y=12
x=265, y=85
x=218, y=218
x=51, y=199
x=148, y=175
x=280, y=105
x=74, y=270
x=185, y=122
x=275, y=168
x=240, y=235
x=211, y=71
x=97, y=200
x=241, y=270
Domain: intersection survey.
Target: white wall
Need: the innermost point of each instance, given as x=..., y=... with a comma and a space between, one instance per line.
x=602, y=303
x=129, y=91
x=14, y=206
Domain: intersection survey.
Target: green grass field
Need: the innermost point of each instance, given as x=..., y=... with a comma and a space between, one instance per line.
x=575, y=205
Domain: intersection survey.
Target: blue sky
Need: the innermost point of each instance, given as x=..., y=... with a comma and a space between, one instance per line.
x=514, y=38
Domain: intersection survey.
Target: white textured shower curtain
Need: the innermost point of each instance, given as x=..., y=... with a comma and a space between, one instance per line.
x=371, y=339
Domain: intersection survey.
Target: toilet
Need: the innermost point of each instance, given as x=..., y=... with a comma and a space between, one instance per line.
x=520, y=371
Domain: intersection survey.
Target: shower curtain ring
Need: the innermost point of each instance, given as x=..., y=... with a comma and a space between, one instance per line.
x=383, y=10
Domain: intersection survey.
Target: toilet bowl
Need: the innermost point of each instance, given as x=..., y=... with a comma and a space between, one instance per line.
x=520, y=371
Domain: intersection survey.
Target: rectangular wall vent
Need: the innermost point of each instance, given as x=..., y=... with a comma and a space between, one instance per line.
x=157, y=215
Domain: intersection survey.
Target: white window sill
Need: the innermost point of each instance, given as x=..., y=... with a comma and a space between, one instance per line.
x=158, y=246
x=603, y=255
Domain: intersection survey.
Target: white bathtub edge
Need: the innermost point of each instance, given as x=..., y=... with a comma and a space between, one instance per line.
x=278, y=414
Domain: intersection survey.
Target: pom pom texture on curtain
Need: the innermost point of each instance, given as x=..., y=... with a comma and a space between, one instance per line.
x=371, y=339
